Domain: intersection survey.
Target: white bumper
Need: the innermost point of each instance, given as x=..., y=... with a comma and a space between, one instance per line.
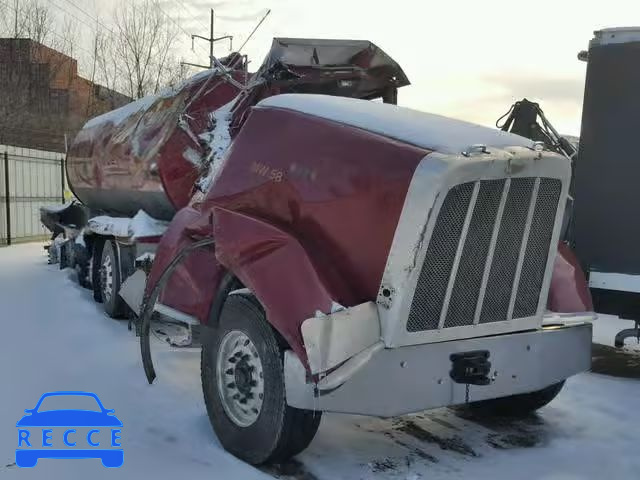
x=394, y=381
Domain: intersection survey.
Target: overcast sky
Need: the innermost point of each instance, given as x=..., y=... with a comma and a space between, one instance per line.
x=469, y=59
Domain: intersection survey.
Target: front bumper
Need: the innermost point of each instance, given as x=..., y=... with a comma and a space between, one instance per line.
x=396, y=381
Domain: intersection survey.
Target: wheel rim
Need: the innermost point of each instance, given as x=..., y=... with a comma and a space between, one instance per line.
x=106, y=278
x=240, y=378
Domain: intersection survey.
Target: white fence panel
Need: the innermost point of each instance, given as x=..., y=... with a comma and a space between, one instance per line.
x=35, y=178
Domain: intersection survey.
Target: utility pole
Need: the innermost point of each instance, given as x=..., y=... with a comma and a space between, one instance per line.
x=15, y=22
x=211, y=39
x=211, y=42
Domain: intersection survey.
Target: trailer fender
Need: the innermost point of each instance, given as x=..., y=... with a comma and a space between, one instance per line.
x=275, y=267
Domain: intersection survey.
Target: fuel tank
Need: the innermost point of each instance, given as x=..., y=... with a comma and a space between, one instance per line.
x=147, y=154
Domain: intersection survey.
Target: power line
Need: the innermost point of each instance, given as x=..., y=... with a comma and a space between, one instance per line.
x=177, y=24
x=88, y=15
x=96, y=19
x=206, y=27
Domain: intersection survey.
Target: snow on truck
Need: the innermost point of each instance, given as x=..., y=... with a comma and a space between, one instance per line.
x=335, y=254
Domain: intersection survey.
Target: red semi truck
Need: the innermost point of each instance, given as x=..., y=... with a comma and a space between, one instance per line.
x=338, y=254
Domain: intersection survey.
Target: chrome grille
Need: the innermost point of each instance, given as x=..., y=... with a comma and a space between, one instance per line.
x=436, y=269
x=477, y=268
x=503, y=269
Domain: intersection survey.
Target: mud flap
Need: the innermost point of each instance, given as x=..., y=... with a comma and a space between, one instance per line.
x=132, y=291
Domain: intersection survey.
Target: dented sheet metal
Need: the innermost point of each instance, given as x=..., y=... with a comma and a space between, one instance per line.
x=331, y=339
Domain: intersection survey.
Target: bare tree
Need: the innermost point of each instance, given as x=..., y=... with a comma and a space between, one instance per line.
x=138, y=56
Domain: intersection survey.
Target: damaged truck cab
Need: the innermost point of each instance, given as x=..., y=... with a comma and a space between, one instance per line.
x=353, y=256
x=335, y=253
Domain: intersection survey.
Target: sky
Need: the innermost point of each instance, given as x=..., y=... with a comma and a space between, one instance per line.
x=468, y=59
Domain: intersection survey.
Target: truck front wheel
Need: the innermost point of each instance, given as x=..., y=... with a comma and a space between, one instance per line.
x=517, y=405
x=243, y=385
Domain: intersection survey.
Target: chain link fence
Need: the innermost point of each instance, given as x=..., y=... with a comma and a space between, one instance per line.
x=29, y=179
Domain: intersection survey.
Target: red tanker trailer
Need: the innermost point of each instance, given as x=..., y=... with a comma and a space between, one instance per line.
x=344, y=255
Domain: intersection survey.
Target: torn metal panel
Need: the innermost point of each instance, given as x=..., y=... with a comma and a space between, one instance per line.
x=331, y=339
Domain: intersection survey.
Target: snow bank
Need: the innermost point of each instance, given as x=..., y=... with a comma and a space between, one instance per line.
x=218, y=141
x=105, y=225
x=147, y=256
x=141, y=225
x=426, y=130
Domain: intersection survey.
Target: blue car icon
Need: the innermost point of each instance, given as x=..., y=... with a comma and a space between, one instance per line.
x=36, y=433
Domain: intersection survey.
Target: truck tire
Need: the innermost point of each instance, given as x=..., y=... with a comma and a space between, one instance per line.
x=243, y=385
x=94, y=269
x=517, y=405
x=110, y=282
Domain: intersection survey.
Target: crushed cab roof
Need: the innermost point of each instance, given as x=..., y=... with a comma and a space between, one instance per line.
x=425, y=130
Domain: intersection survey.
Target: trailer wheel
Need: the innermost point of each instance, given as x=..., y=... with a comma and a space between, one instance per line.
x=110, y=282
x=517, y=405
x=94, y=270
x=243, y=385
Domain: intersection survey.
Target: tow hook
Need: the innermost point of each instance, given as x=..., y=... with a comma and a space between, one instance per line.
x=471, y=368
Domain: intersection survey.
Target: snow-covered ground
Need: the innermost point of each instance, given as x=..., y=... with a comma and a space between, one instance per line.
x=56, y=338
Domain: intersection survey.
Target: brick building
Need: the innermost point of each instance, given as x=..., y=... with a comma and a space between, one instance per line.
x=42, y=97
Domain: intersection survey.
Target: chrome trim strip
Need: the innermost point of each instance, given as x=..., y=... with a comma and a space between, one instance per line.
x=492, y=249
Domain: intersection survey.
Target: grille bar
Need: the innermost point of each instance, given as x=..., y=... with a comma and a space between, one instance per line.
x=503, y=267
x=456, y=263
x=436, y=268
x=468, y=279
x=492, y=249
x=538, y=246
x=523, y=248
x=487, y=255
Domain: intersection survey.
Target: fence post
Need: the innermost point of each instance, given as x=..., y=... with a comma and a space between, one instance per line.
x=62, y=178
x=7, y=197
